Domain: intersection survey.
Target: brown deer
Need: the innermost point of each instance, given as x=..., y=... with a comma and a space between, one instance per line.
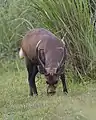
x=44, y=53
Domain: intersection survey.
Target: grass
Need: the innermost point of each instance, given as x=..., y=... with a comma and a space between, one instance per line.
x=65, y=19
x=16, y=104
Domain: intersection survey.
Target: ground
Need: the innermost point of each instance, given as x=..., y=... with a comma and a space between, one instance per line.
x=16, y=104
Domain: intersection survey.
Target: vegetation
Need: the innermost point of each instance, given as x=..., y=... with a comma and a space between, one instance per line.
x=15, y=104
x=71, y=20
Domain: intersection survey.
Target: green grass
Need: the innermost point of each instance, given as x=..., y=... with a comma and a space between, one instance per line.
x=16, y=104
x=65, y=19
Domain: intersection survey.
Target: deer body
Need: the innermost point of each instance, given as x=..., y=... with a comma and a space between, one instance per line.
x=46, y=54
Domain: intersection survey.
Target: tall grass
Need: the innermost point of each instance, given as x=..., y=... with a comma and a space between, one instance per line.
x=68, y=19
x=16, y=17
x=71, y=21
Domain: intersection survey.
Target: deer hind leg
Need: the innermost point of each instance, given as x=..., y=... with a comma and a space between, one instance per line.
x=32, y=71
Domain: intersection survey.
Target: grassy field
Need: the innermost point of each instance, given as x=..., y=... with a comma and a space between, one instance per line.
x=16, y=104
x=71, y=20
